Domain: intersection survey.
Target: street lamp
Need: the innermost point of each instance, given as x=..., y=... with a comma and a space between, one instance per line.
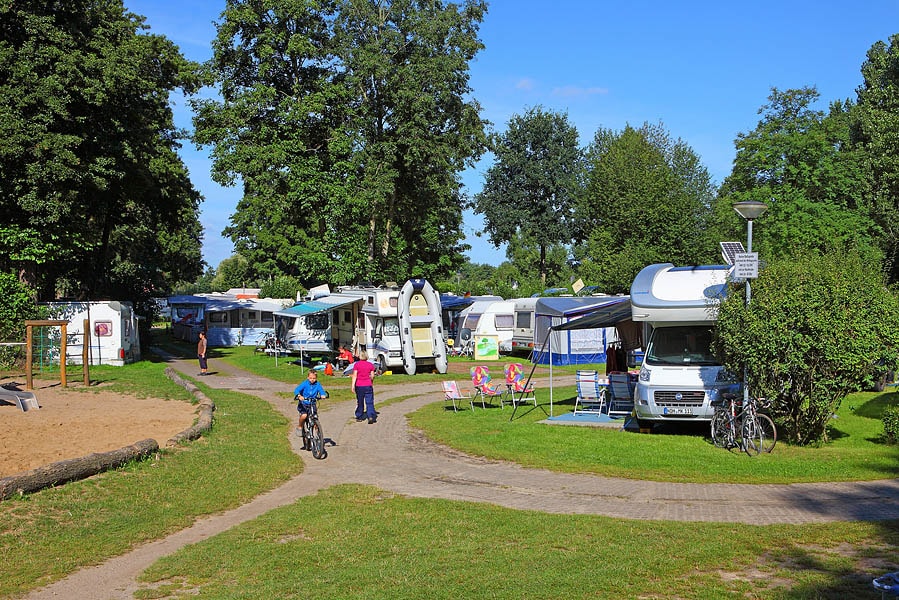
x=749, y=210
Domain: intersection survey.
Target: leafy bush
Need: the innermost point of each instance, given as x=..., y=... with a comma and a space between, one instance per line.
x=818, y=327
x=282, y=286
x=16, y=306
x=891, y=424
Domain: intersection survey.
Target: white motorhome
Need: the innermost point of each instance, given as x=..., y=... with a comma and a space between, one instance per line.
x=523, y=334
x=680, y=375
x=495, y=318
x=379, y=332
x=112, y=335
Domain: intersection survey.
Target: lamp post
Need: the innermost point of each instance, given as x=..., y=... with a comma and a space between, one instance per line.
x=749, y=210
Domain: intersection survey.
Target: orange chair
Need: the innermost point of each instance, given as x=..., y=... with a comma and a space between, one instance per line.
x=480, y=379
x=515, y=384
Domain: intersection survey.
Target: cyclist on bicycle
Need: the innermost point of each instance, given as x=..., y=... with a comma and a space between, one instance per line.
x=304, y=392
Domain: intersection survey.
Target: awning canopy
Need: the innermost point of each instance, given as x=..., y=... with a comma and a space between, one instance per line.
x=323, y=304
x=606, y=315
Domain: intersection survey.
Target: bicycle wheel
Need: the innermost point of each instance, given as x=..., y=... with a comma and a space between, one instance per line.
x=769, y=432
x=752, y=436
x=719, y=428
x=317, y=440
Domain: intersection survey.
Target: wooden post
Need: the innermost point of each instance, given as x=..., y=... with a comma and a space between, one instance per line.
x=29, y=338
x=85, y=367
x=62, y=354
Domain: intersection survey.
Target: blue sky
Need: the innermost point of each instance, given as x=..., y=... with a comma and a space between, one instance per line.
x=701, y=68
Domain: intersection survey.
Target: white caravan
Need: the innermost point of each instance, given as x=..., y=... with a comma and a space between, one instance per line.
x=494, y=318
x=113, y=337
x=680, y=375
x=317, y=327
x=523, y=334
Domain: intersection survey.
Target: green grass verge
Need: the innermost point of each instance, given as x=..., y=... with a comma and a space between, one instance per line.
x=856, y=452
x=46, y=535
x=360, y=542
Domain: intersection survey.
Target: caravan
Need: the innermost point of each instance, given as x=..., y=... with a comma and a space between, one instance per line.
x=112, y=335
x=488, y=319
x=523, y=334
x=680, y=375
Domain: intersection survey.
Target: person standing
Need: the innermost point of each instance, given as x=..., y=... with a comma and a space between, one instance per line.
x=362, y=386
x=201, y=353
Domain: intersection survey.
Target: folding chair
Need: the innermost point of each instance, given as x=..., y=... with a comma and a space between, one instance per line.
x=515, y=384
x=452, y=393
x=480, y=379
x=591, y=393
x=622, y=402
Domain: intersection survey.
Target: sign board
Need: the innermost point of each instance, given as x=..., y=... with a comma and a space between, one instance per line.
x=746, y=265
x=577, y=286
x=486, y=347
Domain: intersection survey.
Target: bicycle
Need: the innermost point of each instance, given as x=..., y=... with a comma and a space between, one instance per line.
x=766, y=424
x=741, y=429
x=312, y=428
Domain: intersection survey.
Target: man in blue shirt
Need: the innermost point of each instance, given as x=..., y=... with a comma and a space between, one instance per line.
x=310, y=388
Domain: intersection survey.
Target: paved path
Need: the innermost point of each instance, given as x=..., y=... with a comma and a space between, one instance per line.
x=391, y=457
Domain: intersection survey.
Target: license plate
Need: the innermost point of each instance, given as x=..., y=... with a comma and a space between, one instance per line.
x=678, y=411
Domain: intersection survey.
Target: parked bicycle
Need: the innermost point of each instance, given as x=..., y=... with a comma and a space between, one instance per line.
x=736, y=424
x=312, y=428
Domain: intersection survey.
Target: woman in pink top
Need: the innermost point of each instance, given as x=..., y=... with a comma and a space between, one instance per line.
x=361, y=384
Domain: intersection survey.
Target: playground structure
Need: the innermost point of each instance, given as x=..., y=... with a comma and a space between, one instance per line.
x=29, y=351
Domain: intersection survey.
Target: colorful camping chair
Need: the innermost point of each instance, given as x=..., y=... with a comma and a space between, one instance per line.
x=452, y=393
x=515, y=384
x=480, y=378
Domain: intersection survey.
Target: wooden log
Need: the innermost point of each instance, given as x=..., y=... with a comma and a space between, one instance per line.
x=207, y=408
x=74, y=469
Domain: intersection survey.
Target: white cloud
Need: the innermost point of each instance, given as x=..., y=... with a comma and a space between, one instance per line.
x=525, y=83
x=573, y=91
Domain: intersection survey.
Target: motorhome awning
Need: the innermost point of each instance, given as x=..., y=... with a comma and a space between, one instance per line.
x=606, y=315
x=323, y=304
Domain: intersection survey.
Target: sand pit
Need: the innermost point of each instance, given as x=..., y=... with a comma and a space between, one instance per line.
x=73, y=422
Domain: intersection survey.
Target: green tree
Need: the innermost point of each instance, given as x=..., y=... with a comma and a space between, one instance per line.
x=347, y=124
x=797, y=161
x=531, y=187
x=95, y=200
x=16, y=305
x=647, y=200
x=819, y=326
x=875, y=121
x=233, y=272
x=282, y=286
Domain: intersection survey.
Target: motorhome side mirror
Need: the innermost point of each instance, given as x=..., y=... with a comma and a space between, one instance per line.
x=374, y=334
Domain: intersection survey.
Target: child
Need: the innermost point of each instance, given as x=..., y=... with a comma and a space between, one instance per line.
x=310, y=388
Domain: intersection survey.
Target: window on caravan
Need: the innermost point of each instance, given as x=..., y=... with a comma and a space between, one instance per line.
x=267, y=317
x=523, y=320
x=251, y=315
x=503, y=322
x=471, y=322
x=218, y=317
x=347, y=317
x=317, y=321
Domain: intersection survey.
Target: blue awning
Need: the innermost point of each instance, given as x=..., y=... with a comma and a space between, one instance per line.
x=323, y=304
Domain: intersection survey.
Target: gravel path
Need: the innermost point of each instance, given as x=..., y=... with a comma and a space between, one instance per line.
x=390, y=456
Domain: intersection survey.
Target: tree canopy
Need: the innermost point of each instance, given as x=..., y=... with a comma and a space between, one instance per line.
x=95, y=200
x=347, y=123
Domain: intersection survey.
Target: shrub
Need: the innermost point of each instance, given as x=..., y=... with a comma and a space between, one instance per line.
x=891, y=424
x=16, y=305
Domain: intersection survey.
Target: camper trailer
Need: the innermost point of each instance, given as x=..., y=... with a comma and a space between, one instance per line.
x=680, y=375
x=523, y=334
x=112, y=335
x=317, y=327
x=488, y=319
x=378, y=325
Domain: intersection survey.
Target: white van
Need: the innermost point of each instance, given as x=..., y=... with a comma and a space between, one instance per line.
x=680, y=375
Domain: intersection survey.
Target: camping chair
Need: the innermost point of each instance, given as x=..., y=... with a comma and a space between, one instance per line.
x=622, y=402
x=452, y=393
x=591, y=393
x=515, y=384
x=480, y=378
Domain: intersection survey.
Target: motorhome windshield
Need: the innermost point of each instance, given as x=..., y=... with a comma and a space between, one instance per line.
x=317, y=321
x=391, y=327
x=681, y=345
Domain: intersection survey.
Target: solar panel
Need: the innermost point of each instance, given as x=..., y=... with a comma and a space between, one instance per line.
x=730, y=249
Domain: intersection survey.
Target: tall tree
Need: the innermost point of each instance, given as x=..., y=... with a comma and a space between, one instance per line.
x=797, y=161
x=646, y=200
x=530, y=189
x=874, y=125
x=346, y=123
x=95, y=200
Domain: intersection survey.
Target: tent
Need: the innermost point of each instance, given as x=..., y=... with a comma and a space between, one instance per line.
x=583, y=344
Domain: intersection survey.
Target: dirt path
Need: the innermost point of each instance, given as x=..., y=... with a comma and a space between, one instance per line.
x=389, y=456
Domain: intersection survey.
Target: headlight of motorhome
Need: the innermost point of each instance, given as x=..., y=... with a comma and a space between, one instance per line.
x=644, y=374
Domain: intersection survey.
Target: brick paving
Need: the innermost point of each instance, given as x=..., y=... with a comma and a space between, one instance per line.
x=391, y=456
